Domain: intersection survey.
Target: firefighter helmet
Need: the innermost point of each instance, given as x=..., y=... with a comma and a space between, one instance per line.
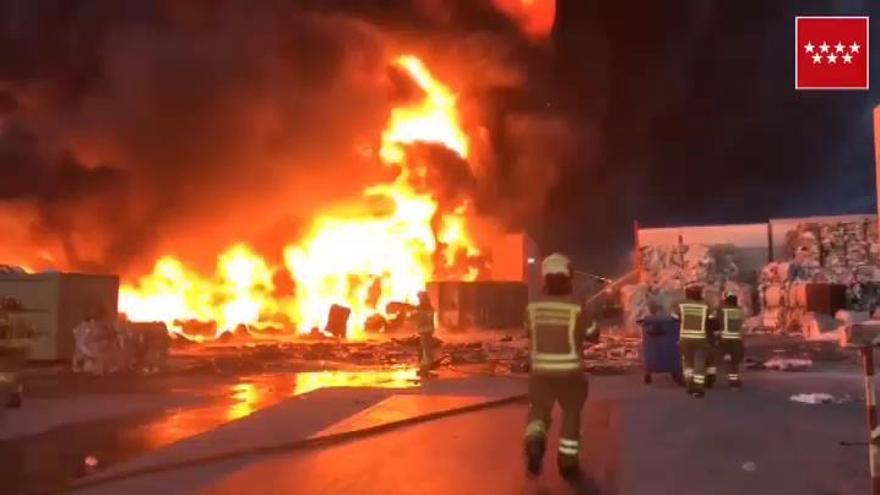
x=556, y=263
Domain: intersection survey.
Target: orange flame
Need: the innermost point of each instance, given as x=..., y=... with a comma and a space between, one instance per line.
x=360, y=260
x=535, y=18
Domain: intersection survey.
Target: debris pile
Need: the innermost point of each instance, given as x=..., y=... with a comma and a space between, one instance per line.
x=845, y=253
x=781, y=363
x=666, y=270
x=103, y=347
x=12, y=270
x=504, y=353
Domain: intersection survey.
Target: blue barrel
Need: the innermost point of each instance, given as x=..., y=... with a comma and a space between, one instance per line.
x=660, y=352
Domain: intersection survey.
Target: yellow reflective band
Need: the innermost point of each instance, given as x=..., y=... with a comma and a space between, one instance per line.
x=556, y=366
x=536, y=428
x=711, y=370
x=569, y=443
x=688, y=372
x=568, y=450
x=699, y=379
x=554, y=357
x=551, y=320
x=553, y=311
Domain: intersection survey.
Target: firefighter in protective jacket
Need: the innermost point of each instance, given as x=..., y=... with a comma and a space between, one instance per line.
x=695, y=319
x=424, y=319
x=557, y=325
x=730, y=318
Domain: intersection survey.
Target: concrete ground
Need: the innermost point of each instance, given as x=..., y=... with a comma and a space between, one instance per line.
x=638, y=440
x=78, y=429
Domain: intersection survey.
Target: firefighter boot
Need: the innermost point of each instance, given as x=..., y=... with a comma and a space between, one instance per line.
x=711, y=372
x=535, y=447
x=735, y=384
x=14, y=400
x=569, y=468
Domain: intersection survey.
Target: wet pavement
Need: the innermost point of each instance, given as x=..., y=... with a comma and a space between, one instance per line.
x=45, y=461
x=637, y=440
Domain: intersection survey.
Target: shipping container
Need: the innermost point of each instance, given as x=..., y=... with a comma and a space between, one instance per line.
x=55, y=303
x=488, y=305
x=818, y=297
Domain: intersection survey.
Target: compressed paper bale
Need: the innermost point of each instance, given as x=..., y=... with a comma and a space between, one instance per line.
x=773, y=318
x=815, y=325
x=847, y=317
x=753, y=323
x=634, y=301
x=774, y=296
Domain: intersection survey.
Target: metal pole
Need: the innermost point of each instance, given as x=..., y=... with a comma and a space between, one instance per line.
x=871, y=410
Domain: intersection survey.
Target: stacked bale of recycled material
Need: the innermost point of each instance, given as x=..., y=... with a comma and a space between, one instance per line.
x=666, y=270
x=773, y=288
x=845, y=253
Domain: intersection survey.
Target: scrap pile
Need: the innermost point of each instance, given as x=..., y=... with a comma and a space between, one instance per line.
x=103, y=347
x=845, y=253
x=666, y=270
x=505, y=353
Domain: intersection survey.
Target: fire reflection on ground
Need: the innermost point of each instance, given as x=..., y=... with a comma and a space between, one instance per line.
x=261, y=391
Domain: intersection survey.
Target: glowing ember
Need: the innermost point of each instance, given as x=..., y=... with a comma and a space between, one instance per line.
x=364, y=259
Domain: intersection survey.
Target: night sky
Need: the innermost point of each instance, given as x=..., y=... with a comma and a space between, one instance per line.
x=701, y=123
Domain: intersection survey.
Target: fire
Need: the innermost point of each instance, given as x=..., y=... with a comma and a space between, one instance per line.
x=384, y=249
x=434, y=120
x=535, y=18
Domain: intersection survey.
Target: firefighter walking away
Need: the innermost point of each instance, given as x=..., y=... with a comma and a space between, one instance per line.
x=730, y=317
x=695, y=347
x=558, y=326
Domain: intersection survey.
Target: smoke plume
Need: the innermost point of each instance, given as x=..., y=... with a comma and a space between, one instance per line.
x=130, y=129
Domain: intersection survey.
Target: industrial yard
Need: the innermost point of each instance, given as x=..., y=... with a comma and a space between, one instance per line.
x=437, y=247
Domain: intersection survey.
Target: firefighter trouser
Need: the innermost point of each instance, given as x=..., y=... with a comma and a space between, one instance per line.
x=426, y=351
x=570, y=391
x=694, y=354
x=736, y=350
x=713, y=359
x=12, y=360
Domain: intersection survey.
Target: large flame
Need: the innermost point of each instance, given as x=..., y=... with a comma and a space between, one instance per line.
x=535, y=18
x=385, y=250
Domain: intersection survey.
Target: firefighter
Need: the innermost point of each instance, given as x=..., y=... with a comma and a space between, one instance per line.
x=730, y=317
x=557, y=325
x=693, y=340
x=424, y=316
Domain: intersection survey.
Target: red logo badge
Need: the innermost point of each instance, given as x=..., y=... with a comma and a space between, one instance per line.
x=831, y=53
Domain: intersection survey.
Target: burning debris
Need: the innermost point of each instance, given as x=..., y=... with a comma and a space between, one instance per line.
x=353, y=163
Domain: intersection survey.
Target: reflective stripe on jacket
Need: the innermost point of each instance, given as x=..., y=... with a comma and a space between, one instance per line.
x=731, y=323
x=693, y=320
x=557, y=336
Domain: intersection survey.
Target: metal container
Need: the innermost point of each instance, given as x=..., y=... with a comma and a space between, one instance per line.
x=54, y=303
x=818, y=297
x=490, y=305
